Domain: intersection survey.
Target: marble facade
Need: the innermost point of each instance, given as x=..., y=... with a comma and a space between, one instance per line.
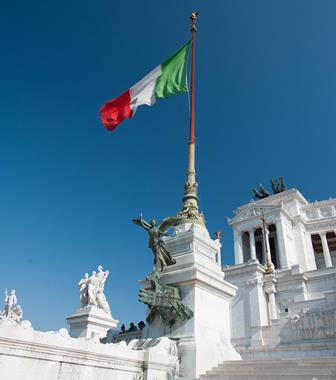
x=275, y=313
x=242, y=312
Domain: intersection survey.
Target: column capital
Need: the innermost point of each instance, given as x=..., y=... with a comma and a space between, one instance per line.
x=323, y=233
x=277, y=219
x=251, y=230
x=237, y=232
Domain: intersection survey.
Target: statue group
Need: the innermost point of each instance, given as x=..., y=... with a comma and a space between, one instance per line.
x=91, y=290
x=11, y=310
x=278, y=186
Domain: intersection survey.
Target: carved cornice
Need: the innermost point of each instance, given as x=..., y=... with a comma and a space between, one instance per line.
x=317, y=228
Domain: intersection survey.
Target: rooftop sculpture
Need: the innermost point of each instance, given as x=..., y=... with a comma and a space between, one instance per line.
x=12, y=311
x=278, y=186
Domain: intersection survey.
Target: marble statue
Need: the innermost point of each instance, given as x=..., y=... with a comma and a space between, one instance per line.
x=93, y=284
x=83, y=292
x=91, y=290
x=162, y=256
x=11, y=311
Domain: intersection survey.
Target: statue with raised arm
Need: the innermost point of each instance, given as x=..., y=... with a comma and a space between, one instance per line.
x=100, y=296
x=162, y=256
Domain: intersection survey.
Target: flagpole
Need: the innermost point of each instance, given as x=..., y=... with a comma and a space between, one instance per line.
x=193, y=30
x=190, y=209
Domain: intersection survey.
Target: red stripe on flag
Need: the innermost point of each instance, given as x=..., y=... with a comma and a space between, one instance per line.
x=116, y=110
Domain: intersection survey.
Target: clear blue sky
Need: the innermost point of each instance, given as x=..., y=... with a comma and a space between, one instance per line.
x=266, y=93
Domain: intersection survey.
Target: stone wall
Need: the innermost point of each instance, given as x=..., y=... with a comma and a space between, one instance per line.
x=26, y=354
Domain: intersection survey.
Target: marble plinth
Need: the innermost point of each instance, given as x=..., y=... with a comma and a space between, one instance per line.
x=90, y=322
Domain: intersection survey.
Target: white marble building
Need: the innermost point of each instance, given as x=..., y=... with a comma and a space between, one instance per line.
x=300, y=232
x=291, y=310
x=278, y=301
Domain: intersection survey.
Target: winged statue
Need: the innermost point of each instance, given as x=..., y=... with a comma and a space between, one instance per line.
x=261, y=193
x=162, y=257
x=278, y=185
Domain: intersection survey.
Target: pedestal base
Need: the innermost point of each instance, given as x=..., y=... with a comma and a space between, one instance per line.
x=204, y=340
x=89, y=322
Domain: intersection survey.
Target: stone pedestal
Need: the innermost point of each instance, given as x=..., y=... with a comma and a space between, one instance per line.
x=204, y=340
x=89, y=322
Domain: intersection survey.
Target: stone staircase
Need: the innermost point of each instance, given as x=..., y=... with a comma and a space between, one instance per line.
x=281, y=369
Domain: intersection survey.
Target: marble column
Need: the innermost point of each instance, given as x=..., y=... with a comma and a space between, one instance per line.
x=252, y=245
x=311, y=252
x=238, y=247
x=326, y=251
x=282, y=244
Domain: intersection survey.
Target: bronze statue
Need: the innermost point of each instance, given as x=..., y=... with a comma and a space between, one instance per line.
x=278, y=185
x=261, y=193
x=164, y=301
x=162, y=256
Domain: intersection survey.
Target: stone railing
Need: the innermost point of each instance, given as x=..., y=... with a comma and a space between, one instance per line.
x=28, y=354
x=126, y=336
x=321, y=210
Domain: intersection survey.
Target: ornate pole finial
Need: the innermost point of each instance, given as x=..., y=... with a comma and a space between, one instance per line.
x=190, y=209
x=193, y=19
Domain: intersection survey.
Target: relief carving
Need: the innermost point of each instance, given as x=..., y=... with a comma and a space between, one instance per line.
x=311, y=325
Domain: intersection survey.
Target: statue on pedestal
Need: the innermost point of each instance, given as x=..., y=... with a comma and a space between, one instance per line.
x=11, y=311
x=162, y=300
x=91, y=290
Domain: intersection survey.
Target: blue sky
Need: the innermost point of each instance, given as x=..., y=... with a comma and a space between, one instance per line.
x=265, y=107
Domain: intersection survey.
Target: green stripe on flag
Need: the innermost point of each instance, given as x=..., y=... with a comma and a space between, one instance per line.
x=173, y=79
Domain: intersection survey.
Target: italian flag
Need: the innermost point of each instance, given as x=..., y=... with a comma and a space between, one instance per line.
x=169, y=78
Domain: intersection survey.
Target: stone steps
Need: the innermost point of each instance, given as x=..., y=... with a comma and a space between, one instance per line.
x=291, y=372
x=282, y=369
x=269, y=377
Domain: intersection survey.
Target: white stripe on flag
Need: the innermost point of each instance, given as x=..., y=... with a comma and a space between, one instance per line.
x=143, y=92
